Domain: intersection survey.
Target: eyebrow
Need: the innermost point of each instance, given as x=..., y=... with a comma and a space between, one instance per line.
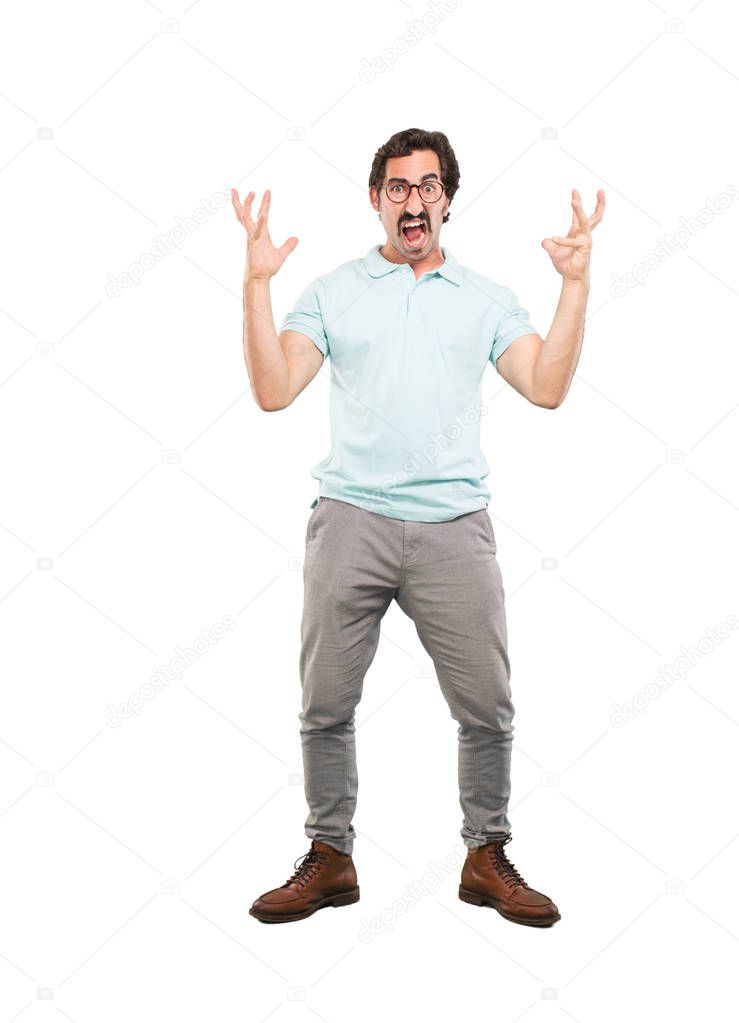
x=431, y=174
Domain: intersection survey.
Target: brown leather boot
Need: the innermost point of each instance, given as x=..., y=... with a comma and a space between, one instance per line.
x=490, y=879
x=324, y=877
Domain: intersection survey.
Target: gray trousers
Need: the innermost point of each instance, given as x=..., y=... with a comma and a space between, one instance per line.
x=446, y=578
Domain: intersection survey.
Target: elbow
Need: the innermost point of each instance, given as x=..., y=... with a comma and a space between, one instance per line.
x=550, y=401
x=270, y=405
x=269, y=402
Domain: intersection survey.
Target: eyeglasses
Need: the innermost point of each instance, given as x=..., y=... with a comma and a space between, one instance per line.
x=398, y=190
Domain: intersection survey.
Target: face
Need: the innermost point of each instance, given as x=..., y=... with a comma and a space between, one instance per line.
x=414, y=168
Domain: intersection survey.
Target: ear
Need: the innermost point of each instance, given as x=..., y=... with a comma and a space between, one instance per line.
x=374, y=199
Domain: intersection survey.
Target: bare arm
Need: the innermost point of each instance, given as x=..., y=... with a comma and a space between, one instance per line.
x=279, y=367
x=542, y=369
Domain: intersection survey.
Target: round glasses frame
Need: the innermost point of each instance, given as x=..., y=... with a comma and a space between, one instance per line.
x=408, y=188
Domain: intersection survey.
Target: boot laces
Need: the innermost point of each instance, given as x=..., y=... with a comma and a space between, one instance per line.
x=502, y=864
x=306, y=867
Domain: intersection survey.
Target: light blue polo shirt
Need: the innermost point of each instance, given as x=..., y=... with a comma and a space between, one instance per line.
x=407, y=359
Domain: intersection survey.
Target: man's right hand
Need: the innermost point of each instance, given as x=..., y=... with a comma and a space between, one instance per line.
x=263, y=259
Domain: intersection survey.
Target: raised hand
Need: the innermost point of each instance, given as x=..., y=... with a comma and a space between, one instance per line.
x=263, y=259
x=571, y=253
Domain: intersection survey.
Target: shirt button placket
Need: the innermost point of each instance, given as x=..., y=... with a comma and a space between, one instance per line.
x=411, y=278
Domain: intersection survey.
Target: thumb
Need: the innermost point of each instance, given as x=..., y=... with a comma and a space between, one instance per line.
x=288, y=247
x=549, y=245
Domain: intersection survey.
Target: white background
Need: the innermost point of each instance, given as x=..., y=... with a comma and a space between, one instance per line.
x=146, y=498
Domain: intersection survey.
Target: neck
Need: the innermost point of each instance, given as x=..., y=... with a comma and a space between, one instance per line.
x=430, y=261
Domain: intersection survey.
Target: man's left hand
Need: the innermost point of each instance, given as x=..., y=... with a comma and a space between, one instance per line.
x=571, y=253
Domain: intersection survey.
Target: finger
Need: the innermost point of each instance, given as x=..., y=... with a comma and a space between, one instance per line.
x=597, y=215
x=582, y=220
x=573, y=243
x=574, y=223
x=238, y=208
x=248, y=222
x=264, y=208
x=252, y=225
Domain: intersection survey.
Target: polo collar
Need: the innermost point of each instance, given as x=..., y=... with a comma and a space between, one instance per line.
x=378, y=266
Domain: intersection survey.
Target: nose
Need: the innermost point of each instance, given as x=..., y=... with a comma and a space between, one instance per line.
x=414, y=208
x=414, y=205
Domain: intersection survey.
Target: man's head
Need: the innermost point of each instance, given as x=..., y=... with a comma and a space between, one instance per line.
x=414, y=157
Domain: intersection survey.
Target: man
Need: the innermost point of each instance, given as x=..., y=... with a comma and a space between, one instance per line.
x=402, y=508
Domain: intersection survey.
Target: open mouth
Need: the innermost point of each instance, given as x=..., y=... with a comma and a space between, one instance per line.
x=414, y=234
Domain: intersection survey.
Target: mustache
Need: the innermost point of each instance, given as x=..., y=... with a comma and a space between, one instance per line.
x=407, y=220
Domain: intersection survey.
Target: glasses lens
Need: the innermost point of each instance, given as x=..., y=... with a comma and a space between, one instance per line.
x=398, y=191
x=430, y=191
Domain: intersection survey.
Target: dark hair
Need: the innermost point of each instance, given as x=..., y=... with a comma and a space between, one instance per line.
x=403, y=143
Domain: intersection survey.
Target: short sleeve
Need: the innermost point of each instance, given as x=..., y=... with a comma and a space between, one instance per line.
x=513, y=323
x=306, y=316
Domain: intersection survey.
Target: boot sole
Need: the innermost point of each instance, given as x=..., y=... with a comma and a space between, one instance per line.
x=343, y=899
x=476, y=899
